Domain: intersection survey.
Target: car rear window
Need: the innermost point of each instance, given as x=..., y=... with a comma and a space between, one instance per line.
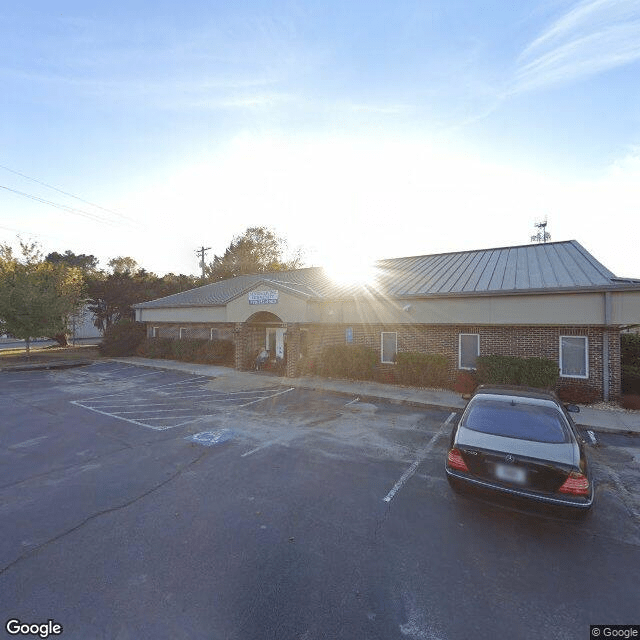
x=516, y=420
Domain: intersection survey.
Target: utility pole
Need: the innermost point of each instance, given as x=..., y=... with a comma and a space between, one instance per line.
x=201, y=252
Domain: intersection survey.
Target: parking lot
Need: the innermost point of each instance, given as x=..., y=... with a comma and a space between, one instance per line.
x=139, y=503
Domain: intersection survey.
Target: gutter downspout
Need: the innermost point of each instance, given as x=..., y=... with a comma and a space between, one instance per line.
x=606, y=363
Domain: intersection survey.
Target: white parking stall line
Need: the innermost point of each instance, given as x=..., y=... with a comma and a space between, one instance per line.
x=106, y=404
x=144, y=375
x=140, y=411
x=240, y=406
x=187, y=381
x=104, y=413
x=192, y=394
x=110, y=371
x=421, y=456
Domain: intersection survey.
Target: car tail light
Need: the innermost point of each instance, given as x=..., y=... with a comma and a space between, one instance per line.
x=576, y=484
x=455, y=461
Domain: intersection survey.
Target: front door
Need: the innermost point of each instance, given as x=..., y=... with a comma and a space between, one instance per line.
x=275, y=342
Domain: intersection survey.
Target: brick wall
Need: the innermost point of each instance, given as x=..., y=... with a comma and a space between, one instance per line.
x=526, y=342
x=224, y=330
x=531, y=341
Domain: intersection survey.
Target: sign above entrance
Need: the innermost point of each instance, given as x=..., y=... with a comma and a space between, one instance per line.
x=263, y=297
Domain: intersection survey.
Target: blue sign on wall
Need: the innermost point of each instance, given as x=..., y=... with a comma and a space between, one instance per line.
x=263, y=297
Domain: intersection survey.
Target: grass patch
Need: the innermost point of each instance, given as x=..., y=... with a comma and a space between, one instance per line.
x=49, y=354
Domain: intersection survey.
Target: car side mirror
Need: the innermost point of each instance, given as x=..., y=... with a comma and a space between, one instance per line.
x=573, y=408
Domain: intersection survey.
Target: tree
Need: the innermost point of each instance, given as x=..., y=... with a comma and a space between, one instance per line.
x=36, y=297
x=123, y=264
x=111, y=296
x=87, y=263
x=257, y=250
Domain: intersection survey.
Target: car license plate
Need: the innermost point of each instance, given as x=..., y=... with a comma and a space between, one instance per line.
x=509, y=473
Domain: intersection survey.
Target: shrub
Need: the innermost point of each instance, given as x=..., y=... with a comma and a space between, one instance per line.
x=630, y=379
x=630, y=402
x=191, y=350
x=122, y=338
x=630, y=349
x=531, y=372
x=422, y=369
x=465, y=382
x=217, y=352
x=348, y=361
x=578, y=395
x=154, y=348
x=307, y=366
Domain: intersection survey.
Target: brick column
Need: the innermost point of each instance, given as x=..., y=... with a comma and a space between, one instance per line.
x=293, y=348
x=240, y=334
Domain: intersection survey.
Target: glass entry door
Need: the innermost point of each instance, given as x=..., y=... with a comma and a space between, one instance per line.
x=275, y=342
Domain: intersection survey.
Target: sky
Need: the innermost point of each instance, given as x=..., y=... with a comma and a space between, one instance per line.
x=355, y=130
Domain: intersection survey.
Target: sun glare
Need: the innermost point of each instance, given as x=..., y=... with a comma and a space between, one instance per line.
x=347, y=271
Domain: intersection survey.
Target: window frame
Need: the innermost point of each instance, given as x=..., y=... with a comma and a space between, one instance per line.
x=155, y=332
x=586, y=358
x=477, y=336
x=382, y=334
x=180, y=336
x=211, y=330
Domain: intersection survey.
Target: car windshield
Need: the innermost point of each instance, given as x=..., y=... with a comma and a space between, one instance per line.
x=514, y=419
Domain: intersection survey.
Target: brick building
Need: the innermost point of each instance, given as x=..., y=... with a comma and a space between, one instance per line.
x=551, y=300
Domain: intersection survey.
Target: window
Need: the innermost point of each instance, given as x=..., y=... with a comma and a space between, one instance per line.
x=468, y=350
x=516, y=419
x=574, y=357
x=213, y=335
x=183, y=332
x=348, y=335
x=389, y=346
x=154, y=332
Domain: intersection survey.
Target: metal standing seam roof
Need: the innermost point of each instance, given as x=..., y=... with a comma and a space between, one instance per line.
x=528, y=268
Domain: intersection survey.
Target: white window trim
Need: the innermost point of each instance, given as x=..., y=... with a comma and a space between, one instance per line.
x=180, y=332
x=586, y=357
x=211, y=333
x=155, y=331
x=382, y=334
x=477, y=335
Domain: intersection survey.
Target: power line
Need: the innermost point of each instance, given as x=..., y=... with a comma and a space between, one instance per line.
x=66, y=193
x=57, y=205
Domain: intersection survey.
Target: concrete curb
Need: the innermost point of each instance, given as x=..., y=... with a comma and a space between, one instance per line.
x=54, y=364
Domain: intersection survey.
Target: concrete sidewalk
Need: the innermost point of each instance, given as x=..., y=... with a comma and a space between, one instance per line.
x=604, y=420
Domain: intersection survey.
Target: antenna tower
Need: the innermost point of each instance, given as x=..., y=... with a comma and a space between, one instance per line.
x=542, y=235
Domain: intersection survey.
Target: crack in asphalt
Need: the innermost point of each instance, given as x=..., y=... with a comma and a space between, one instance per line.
x=37, y=549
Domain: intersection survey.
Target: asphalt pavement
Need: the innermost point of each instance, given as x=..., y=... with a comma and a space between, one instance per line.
x=610, y=419
x=597, y=419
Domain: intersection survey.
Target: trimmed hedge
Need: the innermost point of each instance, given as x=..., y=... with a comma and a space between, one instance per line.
x=422, y=369
x=630, y=349
x=531, y=372
x=188, y=350
x=631, y=379
x=122, y=338
x=355, y=362
x=630, y=357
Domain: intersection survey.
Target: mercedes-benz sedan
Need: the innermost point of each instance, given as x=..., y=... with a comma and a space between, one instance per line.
x=521, y=442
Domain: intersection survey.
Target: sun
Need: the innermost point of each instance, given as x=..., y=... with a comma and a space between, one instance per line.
x=350, y=270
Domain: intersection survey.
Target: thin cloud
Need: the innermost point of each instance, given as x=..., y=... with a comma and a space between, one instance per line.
x=596, y=35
